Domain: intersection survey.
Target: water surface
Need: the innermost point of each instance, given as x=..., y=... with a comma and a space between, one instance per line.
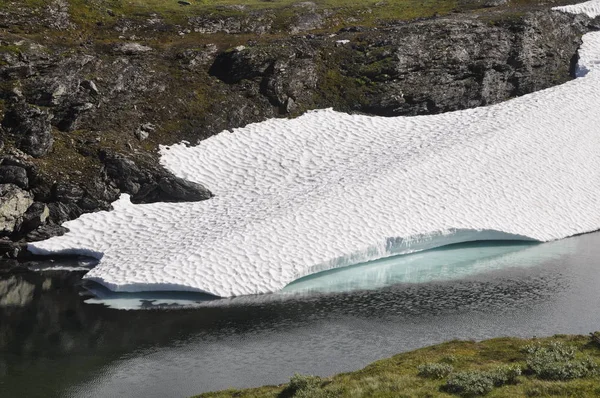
x=53, y=344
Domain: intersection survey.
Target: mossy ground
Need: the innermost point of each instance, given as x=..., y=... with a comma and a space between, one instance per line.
x=398, y=376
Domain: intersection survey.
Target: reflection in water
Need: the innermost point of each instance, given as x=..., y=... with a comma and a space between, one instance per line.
x=445, y=263
x=72, y=349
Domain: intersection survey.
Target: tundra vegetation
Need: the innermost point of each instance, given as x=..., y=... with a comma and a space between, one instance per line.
x=560, y=366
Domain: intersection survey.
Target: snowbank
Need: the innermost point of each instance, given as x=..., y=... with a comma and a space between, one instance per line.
x=327, y=190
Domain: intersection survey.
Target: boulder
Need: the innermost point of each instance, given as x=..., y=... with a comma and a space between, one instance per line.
x=148, y=185
x=14, y=202
x=46, y=232
x=171, y=188
x=36, y=215
x=14, y=175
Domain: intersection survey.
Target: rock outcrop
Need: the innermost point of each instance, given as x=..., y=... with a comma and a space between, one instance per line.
x=81, y=119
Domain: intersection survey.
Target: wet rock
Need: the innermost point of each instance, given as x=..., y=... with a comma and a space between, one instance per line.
x=14, y=202
x=14, y=175
x=31, y=128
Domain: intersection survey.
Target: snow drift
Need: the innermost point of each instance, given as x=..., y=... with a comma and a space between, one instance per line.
x=327, y=190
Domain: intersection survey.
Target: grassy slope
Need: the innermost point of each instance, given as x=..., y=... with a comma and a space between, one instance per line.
x=398, y=376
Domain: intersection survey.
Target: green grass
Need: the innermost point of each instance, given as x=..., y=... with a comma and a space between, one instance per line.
x=399, y=376
x=90, y=14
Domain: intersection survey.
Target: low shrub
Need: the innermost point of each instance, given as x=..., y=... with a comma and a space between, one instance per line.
x=435, y=370
x=470, y=383
x=555, y=351
x=449, y=359
x=505, y=375
x=481, y=382
x=595, y=337
x=302, y=386
x=556, y=361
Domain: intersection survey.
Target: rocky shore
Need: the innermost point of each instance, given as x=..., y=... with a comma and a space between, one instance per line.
x=88, y=93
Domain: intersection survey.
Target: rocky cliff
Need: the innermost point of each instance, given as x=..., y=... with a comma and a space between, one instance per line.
x=88, y=93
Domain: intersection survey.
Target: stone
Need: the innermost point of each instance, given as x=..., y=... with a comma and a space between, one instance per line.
x=36, y=215
x=131, y=48
x=71, y=116
x=91, y=86
x=65, y=192
x=14, y=202
x=46, y=232
x=143, y=132
x=31, y=128
x=149, y=186
x=495, y=3
x=61, y=212
x=176, y=189
x=14, y=175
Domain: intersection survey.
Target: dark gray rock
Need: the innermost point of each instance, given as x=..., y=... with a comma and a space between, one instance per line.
x=171, y=188
x=280, y=72
x=91, y=86
x=46, y=232
x=31, y=128
x=61, y=212
x=36, y=215
x=67, y=193
x=148, y=185
x=14, y=175
x=71, y=114
x=124, y=172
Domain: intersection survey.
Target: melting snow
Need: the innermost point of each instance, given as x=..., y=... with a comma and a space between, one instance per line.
x=327, y=189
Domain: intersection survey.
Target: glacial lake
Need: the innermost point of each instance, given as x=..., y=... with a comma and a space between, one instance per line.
x=55, y=344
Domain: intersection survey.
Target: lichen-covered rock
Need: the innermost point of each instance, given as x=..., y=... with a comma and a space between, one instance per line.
x=131, y=48
x=14, y=202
